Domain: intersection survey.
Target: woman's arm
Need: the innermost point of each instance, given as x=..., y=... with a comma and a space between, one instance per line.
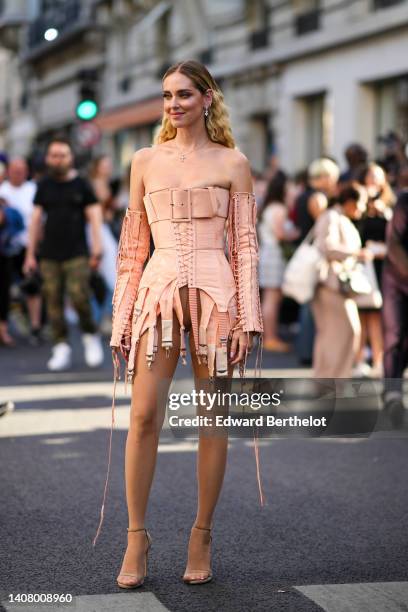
x=276, y=217
x=30, y=262
x=93, y=215
x=243, y=255
x=328, y=238
x=317, y=204
x=140, y=161
x=133, y=250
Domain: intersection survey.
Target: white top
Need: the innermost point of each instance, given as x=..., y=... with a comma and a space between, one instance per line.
x=21, y=198
x=272, y=215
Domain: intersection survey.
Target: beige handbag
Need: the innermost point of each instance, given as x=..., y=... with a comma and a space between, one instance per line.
x=354, y=280
x=374, y=298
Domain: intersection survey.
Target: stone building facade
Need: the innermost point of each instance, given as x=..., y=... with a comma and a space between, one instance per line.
x=301, y=77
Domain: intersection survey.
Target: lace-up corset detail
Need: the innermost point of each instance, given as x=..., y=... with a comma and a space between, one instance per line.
x=188, y=229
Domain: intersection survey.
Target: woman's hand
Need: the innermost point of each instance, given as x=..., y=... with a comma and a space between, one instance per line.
x=125, y=347
x=30, y=264
x=241, y=342
x=365, y=255
x=95, y=260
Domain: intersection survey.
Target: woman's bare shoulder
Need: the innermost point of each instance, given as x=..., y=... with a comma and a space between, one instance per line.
x=239, y=170
x=234, y=156
x=143, y=155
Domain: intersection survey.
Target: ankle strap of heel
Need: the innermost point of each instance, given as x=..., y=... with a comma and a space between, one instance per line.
x=140, y=529
x=202, y=528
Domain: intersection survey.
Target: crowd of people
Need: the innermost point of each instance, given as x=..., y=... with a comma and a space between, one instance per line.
x=59, y=232
x=356, y=322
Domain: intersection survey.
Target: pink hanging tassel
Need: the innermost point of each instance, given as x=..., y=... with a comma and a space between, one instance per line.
x=116, y=369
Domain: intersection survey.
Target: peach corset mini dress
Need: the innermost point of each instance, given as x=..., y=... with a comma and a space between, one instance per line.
x=192, y=229
x=188, y=229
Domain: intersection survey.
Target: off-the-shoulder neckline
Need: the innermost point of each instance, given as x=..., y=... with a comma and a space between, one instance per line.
x=185, y=188
x=199, y=187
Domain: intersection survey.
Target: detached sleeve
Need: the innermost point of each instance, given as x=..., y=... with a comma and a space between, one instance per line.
x=132, y=253
x=244, y=257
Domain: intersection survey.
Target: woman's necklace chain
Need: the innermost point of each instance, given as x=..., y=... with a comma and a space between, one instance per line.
x=183, y=154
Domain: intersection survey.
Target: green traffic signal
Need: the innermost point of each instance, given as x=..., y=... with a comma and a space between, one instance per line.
x=87, y=109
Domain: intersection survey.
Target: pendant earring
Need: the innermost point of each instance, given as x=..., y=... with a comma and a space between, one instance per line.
x=206, y=112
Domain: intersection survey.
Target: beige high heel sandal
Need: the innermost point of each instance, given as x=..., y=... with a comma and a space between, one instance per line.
x=199, y=571
x=139, y=582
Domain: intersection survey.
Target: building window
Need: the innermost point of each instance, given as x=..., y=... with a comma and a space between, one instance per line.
x=163, y=46
x=314, y=126
x=206, y=56
x=257, y=16
x=259, y=39
x=260, y=144
x=125, y=84
x=24, y=99
x=381, y=4
x=50, y=6
x=391, y=114
x=312, y=129
x=307, y=16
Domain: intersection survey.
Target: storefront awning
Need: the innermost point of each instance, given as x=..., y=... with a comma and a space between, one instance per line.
x=131, y=115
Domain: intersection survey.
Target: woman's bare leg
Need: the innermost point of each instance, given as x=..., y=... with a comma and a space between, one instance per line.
x=211, y=464
x=147, y=413
x=364, y=336
x=376, y=338
x=211, y=456
x=271, y=301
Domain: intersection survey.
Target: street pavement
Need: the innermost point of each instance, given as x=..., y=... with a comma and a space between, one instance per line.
x=332, y=535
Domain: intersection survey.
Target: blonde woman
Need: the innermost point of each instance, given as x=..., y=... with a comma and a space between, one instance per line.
x=183, y=190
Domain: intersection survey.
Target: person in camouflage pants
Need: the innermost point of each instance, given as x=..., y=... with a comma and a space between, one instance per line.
x=72, y=276
x=63, y=204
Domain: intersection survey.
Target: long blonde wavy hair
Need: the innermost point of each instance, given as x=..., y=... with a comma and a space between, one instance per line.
x=217, y=123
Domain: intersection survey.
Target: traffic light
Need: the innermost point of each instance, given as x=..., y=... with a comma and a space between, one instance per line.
x=87, y=107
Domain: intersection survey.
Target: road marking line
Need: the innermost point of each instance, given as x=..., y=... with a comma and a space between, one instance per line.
x=119, y=602
x=372, y=596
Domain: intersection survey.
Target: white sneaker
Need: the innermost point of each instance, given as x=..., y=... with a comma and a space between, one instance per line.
x=60, y=358
x=362, y=370
x=93, y=350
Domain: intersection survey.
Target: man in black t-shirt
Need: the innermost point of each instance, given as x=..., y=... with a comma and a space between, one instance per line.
x=67, y=202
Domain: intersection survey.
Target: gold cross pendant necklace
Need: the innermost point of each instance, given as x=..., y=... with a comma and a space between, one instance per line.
x=183, y=154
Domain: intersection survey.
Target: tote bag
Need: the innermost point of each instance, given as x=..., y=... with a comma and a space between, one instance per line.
x=302, y=272
x=372, y=299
